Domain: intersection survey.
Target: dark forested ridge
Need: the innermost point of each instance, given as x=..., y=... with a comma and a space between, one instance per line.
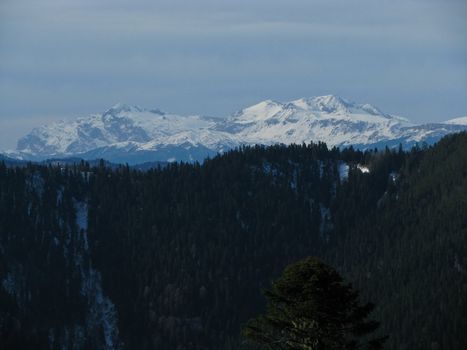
x=176, y=257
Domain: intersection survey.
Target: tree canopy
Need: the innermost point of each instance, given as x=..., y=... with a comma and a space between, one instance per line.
x=311, y=307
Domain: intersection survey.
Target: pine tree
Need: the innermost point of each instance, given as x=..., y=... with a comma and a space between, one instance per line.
x=310, y=307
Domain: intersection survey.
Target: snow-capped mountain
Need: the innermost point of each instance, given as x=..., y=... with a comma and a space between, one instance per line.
x=458, y=121
x=331, y=119
x=135, y=135
x=127, y=134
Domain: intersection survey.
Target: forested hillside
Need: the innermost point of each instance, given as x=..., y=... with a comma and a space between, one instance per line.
x=409, y=253
x=176, y=257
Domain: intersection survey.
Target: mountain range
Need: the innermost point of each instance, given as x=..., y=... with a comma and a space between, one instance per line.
x=130, y=134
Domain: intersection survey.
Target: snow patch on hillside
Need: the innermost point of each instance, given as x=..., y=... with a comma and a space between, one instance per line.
x=101, y=311
x=81, y=215
x=364, y=169
x=343, y=171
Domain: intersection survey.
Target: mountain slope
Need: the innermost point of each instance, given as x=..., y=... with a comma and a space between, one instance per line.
x=135, y=135
x=184, y=251
x=458, y=121
x=330, y=119
x=408, y=255
x=122, y=131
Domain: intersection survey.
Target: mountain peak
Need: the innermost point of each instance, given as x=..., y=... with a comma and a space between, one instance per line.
x=122, y=108
x=330, y=100
x=332, y=104
x=130, y=132
x=260, y=111
x=265, y=104
x=326, y=104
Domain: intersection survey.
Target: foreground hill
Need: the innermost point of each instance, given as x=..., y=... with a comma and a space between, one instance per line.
x=176, y=257
x=409, y=252
x=130, y=134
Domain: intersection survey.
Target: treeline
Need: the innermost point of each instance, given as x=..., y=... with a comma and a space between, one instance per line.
x=184, y=251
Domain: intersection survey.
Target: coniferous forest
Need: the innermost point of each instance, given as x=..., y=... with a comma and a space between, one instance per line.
x=177, y=257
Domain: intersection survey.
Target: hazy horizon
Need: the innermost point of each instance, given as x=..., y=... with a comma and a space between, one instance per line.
x=66, y=60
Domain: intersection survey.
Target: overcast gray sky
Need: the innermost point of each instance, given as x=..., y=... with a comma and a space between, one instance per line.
x=61, y=59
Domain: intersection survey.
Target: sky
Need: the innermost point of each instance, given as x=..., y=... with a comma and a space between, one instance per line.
x=62, y=59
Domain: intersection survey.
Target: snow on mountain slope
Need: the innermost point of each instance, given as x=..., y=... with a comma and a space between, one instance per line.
x=135, y=135
x=331, y=119
x=125, y=129
x=458, y=121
